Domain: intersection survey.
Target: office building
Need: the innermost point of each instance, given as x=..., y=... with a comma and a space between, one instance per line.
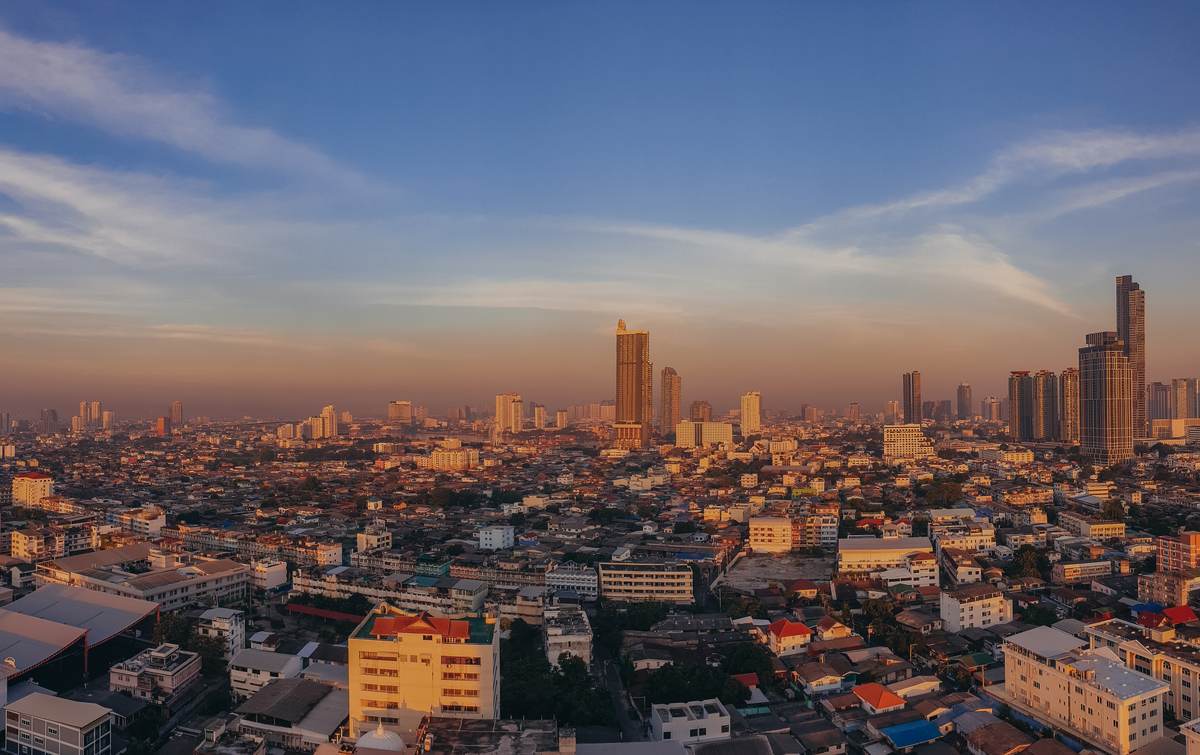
x=891, y=412
x=404, y=667
x=400, y=412
x=177, y=413
x=635, y=387
x=1182, y=390
x=1068, y=405
x=689, y=434
x=964, y=401
x=1159, y=395
x=991, y=409
x=669, y=396
x=911, y=396
x=1052, y=676
x=1106, y=400
x=510, y=414
x=40, y=724
x=751, y=413
x=1131, y=330
x=905, y=443
x=700, y=411
x=561, y=419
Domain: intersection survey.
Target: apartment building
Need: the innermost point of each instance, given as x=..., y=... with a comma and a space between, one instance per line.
x=974, y=606
x=405, y=666
x=268, y=573
x=770, y=534
x=566, y=629
x=251, y=670
x=55, y=541
x=905, y=443
x=442, y=595
x=164, y=675
x=496, y=537
x=580, y=578
x=695, y=721
x=1156, y=653
x=228, y=625
x=40, y=724
x=1083, y=525
x=641, y=581
x=1052, y=676
x=974, y=537
x=30, y=487
x=860, y=556
x=147, y=521
x=920, y=570
x=167, y=579
x=1177, y=553
x=1076, y=572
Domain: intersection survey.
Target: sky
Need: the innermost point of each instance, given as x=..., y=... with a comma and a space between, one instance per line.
x=261, y=208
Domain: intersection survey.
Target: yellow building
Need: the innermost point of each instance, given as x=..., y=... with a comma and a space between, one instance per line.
x=405, y=666
x=640, y=581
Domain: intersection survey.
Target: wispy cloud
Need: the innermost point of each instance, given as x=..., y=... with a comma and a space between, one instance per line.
x=121, y=95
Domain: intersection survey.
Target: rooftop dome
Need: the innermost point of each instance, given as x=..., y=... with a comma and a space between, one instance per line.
x=381, y=739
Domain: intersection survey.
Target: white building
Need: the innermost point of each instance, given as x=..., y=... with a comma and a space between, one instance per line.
x=770, y=534
x=30, y=487
x=496, y=537
x=41, y=723
x=696, y=721
x=689, y=434
x=251, y=670
x=905, y=443
x=578, y=577
x=268, y=573
x=147, y=521
x=566, y=629
x=751, y=413
x=225, y=624
x=975, y=606
x=864, y=555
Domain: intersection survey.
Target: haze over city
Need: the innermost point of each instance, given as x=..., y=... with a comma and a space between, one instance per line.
x=273, y=208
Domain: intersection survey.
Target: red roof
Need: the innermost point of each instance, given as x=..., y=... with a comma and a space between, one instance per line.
x=33, y=475
x=1180, y=614
x=750, y=680
x=1151, y=620
x=783, y=628
x=877, y=696
x=390, y=626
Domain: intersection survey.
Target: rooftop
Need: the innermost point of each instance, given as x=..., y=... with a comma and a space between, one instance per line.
x=59, y=709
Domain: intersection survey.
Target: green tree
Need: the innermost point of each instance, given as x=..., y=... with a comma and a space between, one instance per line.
x=1113, y=510
x=1025, y=562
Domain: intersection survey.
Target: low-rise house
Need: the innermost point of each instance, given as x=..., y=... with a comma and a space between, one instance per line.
x=251, y=670
x=164, y=675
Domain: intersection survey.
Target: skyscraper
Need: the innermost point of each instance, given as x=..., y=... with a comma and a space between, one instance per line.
x=891, y=413
x=1020, y=405
x=913, y=411
x=700, y=411
x=853, y=412
x=1131, y=330
x=1068, y=405
x=1181, y=398
x=400, y=411
x=95, y=413
x=670, y=393
x=1159, y=395
x=964, y=401
x=177, y=414
x=509, y=413
x=991, y=409
x=329, y=418
x=635, y=388
x=1045, y=405
x=539, y=417
x=162, y=427
x=751, y=412
x=1106, y=400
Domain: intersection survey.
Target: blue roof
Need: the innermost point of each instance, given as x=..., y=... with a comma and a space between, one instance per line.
x=911, y=734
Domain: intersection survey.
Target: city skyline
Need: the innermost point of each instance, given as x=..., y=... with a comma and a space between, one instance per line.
x=171, y=227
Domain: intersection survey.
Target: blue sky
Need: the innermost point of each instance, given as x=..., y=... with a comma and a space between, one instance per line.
x=280, y=204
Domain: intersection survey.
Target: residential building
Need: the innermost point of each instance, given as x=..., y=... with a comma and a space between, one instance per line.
x=786, y=637
x=496, y=537
x=404, y=667
x=696, y=721
x=1068, y=405
x=509, y=413
x=692, y=434
x=580, y=578
x=913, y=408
x=1131, y=332
x=228, y=625
x=905, y=443
x=1078, y=572
x=770, y=534
x=751, y=413
x=641, y=581
x=964, y=401
x=163, y=675
x=974, y=607
x=268, y=573
x=670, y=396
x=1106, y=399
x=293, y=715
x=30, y=487
x=40, y=724
x=566, y=629
x=635, y=388
x=251, y=670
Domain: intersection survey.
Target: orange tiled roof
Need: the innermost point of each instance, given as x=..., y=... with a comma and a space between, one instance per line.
x=385, y=626
x=877, y=696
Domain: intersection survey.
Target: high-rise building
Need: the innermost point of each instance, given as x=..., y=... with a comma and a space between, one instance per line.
x=1160, y=401
x=913, y=409
x=95, y=413
x=700, y=411
x=49, y=422
x=539, y=417
x=108, y=420
x=751, y=413
x=689, y=434
x=400, y=412
x=177, y=413
x=560, y=419
x=669, y=396
x=1068, y=405
x=1193, y=397
x=1045, y=405
x=329, y=417
x=1181, y=398
x=1106, y=400
x=1131, y=330
x=891, y=413
x=1033, y=405
x=162, y=426
x=1020, y=405
x=964, y=401
x=905, y=443
x=853, y=412
x=510, y=414
x=635, y=387
x=942, y=411
x=991, y=410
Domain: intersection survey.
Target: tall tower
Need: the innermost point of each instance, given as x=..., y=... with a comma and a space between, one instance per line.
x=1181, y=402
x=1068, y=405
x=177, y=414
x=1131, y=330
x=1045, y=405
x=912, y=398
x=751, y=412
x=1106, y=400
x=1020, y=405
x=964, y=401
x=670, y=396
x=329, y=420
x=510, y=415
x=635, y=388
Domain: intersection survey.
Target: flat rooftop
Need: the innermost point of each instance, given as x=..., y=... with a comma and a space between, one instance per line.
x=104, y=616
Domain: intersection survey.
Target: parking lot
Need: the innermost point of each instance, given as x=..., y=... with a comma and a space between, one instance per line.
x=758, y=571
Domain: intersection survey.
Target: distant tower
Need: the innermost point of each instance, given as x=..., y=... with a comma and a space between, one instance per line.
x=891, y=413
x=913, y=411
x=1045, y=405
x=177, y=413
x=964, y=401
x=400, y=411
x=853, y=412
x=1068, y=405
x=751, y=413
x=1106, y=400
x=669, y=394
x=635, y=388
x=162, y=427
x=1131, y=330
x=700, y=411
x=510, y=415
x=539, y=417
x=1020, y=405
x=329, y=420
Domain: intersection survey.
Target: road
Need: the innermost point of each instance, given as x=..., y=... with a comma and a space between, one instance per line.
x=631, y=728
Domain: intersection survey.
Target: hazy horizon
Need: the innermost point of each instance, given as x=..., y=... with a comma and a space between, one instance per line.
x=274, y=208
